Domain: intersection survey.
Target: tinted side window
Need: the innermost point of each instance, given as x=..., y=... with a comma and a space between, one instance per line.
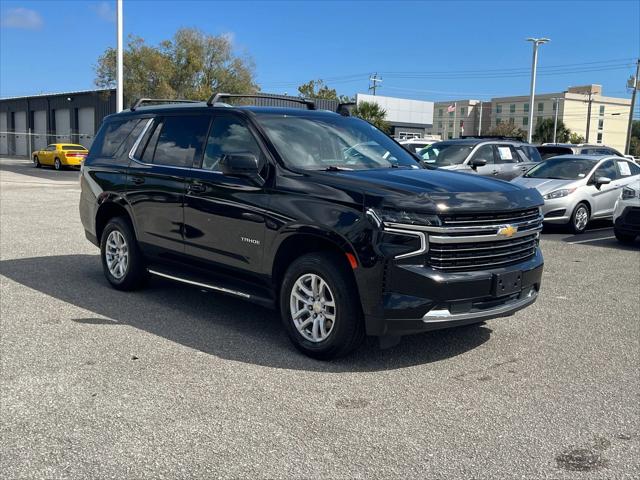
x=607, y=169
x=150, y=147
x=229, y=135
x=112, y=136
x=485, y=152
x=181, y=140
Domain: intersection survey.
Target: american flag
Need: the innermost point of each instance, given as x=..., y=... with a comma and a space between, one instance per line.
x=451, y=108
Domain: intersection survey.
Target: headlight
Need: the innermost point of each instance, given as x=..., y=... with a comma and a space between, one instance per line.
x=406, y=218
x=559, y=193
x=628, y=193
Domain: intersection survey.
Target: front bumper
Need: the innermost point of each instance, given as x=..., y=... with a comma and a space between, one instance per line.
x=420, y=299
x=628, y=222
x=558, y=210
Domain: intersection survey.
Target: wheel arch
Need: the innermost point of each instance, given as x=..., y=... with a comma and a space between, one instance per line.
x=309, y=240
x=108, y=210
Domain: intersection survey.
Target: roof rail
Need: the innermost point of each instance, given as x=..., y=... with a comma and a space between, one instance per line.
x=140, y=101
x=216, y=97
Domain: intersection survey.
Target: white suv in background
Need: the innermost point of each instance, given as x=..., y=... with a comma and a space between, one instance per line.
x=626, y=214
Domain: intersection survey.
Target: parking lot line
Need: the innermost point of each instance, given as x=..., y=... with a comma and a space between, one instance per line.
x=592, y=240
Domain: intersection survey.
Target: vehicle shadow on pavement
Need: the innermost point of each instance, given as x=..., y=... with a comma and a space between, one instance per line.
x=214, y=323
x=25, y=167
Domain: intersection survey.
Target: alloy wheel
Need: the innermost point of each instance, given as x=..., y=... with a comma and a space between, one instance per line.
x=312, y=307
x=581, y=218
x=117, y=254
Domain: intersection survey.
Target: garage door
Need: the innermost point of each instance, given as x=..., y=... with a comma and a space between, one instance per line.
x=39, y=129
x=86, y=125
x=3, y=134
x=21, y=133
x=63, y=126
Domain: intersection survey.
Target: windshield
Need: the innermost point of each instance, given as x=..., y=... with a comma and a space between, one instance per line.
x=333, y=142
x=562, y=169
x=443, y=154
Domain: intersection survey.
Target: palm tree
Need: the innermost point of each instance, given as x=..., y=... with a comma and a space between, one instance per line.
x=544, y=132
x=372, y=113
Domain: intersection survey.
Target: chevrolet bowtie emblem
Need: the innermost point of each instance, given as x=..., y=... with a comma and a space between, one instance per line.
x=507, y=231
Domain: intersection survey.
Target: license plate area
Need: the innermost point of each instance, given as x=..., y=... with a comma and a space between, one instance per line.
x=506, y=283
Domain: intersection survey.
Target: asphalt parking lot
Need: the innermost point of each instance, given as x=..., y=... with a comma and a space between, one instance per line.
x=173, y=382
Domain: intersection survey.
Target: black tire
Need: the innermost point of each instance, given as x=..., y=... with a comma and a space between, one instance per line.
x=135, y=273
x=576, y=225
x=624, y=237
x=36, y=162
x=57, y=164
x=348, y=331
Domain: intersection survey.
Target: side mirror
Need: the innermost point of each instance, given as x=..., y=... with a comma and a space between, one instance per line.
x=602, y=181
x=478, y=162
x=239, y=165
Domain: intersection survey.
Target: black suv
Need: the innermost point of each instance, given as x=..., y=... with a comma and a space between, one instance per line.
x=317, y=214
x=498, y=157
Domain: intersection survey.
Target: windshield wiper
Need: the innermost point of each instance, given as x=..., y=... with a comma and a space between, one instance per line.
x=334, y=168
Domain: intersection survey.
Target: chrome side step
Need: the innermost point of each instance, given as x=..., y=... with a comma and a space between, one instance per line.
x=200, y=284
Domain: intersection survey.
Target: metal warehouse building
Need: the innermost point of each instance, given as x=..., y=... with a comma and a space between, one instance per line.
x=31, y=123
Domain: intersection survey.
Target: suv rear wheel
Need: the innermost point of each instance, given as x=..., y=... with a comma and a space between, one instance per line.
x=320, y=307
x=122, y=260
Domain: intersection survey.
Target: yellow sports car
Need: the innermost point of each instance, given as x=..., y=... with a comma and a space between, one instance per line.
x=60, y=155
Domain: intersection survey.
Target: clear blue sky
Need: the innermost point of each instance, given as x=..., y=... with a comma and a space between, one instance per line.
x=450, y=47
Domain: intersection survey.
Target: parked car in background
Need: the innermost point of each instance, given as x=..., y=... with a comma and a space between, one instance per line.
x=319, y=215
x=60, y=155
x=416, y=144
x=549, y=150
x=503, y=159
x=626, y=214
x=579, y=188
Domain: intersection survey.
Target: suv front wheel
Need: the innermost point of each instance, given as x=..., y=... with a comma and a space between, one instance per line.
x=122, y=260
x=320, y=307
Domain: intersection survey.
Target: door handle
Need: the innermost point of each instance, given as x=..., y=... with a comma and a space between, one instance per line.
x=196, y=188
x=137, y=180
x=495, y=172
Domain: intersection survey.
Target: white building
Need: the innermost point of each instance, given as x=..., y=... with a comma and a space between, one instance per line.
x=408, y=118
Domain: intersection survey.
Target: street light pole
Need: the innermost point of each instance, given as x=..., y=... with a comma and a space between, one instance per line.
x=636, y=82
x=119, y=92
x=556, y=101
x=534, y=65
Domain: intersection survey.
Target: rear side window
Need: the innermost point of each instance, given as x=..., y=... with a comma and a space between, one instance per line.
x=181, y=140
x=112, y=136
x=628, y=169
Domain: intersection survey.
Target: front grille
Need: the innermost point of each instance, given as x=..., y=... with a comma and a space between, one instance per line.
x=479, y=255
x=633, y=217
x=476, y=241
x=479, y=219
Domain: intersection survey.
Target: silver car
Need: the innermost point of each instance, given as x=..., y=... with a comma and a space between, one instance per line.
x=578, y=188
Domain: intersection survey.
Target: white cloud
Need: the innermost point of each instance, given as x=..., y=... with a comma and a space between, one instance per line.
x=105, y=11
x=22, y=18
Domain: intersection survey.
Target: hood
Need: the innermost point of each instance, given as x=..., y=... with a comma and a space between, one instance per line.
x=432, y=190
x=545, y=185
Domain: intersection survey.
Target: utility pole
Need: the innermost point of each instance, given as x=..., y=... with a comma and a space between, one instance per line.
x=636, y=81
x=374, y=80
x=480, y=121
x=534, y=66
x=119, y=92
x=589, y=117
x=556, y=102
